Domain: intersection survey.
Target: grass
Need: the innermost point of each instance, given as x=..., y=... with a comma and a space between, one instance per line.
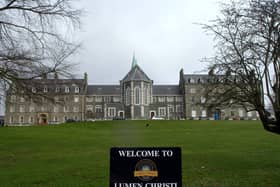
x=214, y=153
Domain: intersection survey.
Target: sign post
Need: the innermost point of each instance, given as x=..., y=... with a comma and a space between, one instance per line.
x=145, y=167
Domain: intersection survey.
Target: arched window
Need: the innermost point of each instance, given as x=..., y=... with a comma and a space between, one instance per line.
x=127, y=96
x=145, y=95
x=137, y=95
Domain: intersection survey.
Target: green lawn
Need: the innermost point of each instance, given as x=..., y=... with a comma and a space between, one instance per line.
x=214, y=153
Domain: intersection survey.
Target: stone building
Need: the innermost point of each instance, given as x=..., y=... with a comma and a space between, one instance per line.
x=61, y=99
x=135, y=97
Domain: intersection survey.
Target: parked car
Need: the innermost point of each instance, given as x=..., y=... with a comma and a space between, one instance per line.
x=90, y=120
x=157, y=118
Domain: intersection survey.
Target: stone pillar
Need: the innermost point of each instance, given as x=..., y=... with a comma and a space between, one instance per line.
x=142, y=111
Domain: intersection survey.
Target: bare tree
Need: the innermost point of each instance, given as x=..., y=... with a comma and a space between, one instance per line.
x=35, y=39
x=247, y=60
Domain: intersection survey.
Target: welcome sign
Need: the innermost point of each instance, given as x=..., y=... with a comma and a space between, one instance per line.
x=145, y=167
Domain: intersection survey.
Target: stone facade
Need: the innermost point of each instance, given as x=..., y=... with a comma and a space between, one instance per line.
x=136, y=97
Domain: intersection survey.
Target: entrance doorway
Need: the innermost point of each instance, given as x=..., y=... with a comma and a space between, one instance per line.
x=121, y=114
x=43, y=119
x=217, y=114
x=152, y=114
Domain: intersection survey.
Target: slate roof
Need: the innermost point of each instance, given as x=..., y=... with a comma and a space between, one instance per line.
x=53, y=84
x=166, y=90
x=103, y=90
x=195, y=78
x=136, y=74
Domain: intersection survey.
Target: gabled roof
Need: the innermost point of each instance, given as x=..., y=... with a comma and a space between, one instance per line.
x=166, y=90
x=136, y=74
x=103, y=90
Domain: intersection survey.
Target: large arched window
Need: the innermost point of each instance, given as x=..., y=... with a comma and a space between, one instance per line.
x=127, y=96
x=137, y=95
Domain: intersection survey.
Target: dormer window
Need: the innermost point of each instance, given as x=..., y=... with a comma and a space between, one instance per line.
x=77, y=89
x=57, y=89
x=67, y=90
x=45, y=89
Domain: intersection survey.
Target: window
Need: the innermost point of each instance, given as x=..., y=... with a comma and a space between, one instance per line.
x=66, y=108
x=107, y=99
x=89, y=99
x=66, y=98
x=33, y=90
x=12, y=109
x=161, y=99
x=45, y=89
x=77, y=89
x=171, y=109
x=11, y=119
x=116, y=99
x=31, y=119
x=55, y=109
x=89, y=108
x=22, y=99
x=76, y=99
x=232, y=113
x=137, y=96
x=145, y=95
x=31, y=108
x=111, y=112
x=170, y=99
x=154, y=99
x=57, y=89
x=55, y=119
x=192, y=90
x=67, y=90
x=178, y=108
x=44, y=100
x=75, y=109
x=179, y=99
x=127, y=96
x=162, y=111
x=193, y=113
x=98, y=99
x=193, y=99
x=21, y=119
x=250, y=114
x=98, y=108
x=13, y=98
x=241, y=113
x=202, y=99
x=203, y=113
x=21, y=109
x=43, y=109
x=56, y=98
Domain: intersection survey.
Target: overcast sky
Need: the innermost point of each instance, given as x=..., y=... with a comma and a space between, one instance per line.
x=162, y=33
